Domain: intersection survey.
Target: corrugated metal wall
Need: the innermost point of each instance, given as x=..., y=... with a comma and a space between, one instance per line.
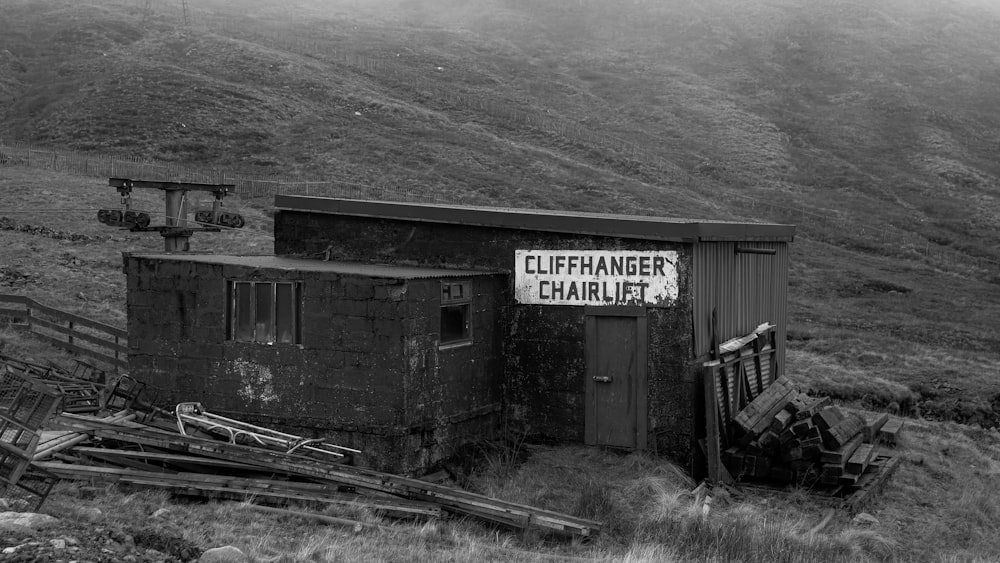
x=745, y=289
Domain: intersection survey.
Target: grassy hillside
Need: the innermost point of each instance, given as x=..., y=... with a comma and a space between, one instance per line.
x=872, y=126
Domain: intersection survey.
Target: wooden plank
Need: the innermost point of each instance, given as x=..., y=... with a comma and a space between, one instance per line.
x=734, y=344
x=15, y=315
x=833, y=470
x=111, y=360
x=859, y=460
x=765, y=407
x=802, y=428
x=76, y=334
x=353, y=525
x=20, y=299
x=69, y=439
x=871, y=483
x=814, y=406
x=70, y=317
x=828, y=417
x=890, y=432
x=109, y=453
x=455, y=500
x=874, y=423
x=839, y=435
x=758, y=370
x=712, y=440
x=220, y=485
x=841, y=455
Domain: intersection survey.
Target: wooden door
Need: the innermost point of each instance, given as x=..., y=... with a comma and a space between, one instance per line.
x=616, y=377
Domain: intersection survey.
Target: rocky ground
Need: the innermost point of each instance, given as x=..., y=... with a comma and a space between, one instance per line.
x=31, y=537
x=40, y=537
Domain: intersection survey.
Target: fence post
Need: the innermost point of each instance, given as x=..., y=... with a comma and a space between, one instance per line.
x=117, y=359
x=70, y=334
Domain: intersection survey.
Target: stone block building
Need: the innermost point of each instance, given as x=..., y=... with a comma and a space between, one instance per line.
x=406, y=330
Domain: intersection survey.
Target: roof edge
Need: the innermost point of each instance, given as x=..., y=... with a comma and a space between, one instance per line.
x=622, y=226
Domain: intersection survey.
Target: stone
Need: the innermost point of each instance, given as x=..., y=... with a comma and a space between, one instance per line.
x=224, y=554
x=89, y=513
x=864, y=519
x=30, y=520
x=161, y=513
x=58, y=544
x=16, y=529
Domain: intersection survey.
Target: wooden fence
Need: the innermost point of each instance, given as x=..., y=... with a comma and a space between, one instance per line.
x=94, y=340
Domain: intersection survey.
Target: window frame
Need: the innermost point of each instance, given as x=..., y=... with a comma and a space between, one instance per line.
x=463, y=300
x=272, y=322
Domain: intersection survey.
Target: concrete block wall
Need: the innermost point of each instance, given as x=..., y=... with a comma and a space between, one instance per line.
x=454, y=381
x=544, y=363
x=545, y=371
x=367, y=372
x=345, y=373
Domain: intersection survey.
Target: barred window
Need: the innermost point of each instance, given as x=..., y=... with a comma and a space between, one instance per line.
x=264, y=312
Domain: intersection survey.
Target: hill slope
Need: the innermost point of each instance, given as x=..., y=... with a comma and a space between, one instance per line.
x=873, y=127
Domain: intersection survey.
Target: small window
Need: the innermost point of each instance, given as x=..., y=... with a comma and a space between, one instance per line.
x=264, y=312
x=456, y=313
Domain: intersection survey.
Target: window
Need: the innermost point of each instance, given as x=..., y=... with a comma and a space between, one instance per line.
x=456, y=313
x=264, y=312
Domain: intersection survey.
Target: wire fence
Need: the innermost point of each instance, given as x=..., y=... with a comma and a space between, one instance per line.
x=246, y=186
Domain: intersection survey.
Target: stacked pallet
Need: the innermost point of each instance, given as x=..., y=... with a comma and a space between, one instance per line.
x=25, y=406
x=786, y=436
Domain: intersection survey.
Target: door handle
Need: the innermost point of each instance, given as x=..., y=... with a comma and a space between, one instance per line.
x=602, y=379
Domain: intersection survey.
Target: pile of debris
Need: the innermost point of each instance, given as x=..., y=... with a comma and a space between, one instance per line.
x=763, y=433
x=784, y=436
x=190, y=451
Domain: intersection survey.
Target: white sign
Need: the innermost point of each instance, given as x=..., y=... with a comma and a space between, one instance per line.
x=595, y=277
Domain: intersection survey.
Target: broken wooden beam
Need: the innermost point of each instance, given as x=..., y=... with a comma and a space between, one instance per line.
x=843, y=432
x=757, y=416
x=871, y=483
x=452, y=499
x=57, y=442
x=841, y=455
x=890, y=432
x=860, y=459
x=224, y=486
x=873, y=423
x=353, y=525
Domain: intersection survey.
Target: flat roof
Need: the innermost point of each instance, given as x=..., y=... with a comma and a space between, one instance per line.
x=307, y=265
x=599, y=224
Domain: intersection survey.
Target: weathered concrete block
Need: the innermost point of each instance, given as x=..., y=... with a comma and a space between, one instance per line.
x=348, y=308
x=358, y=289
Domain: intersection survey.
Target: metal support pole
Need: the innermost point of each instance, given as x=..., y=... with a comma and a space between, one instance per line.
x=217, y=207
x=176, y=240
x=174, y=199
